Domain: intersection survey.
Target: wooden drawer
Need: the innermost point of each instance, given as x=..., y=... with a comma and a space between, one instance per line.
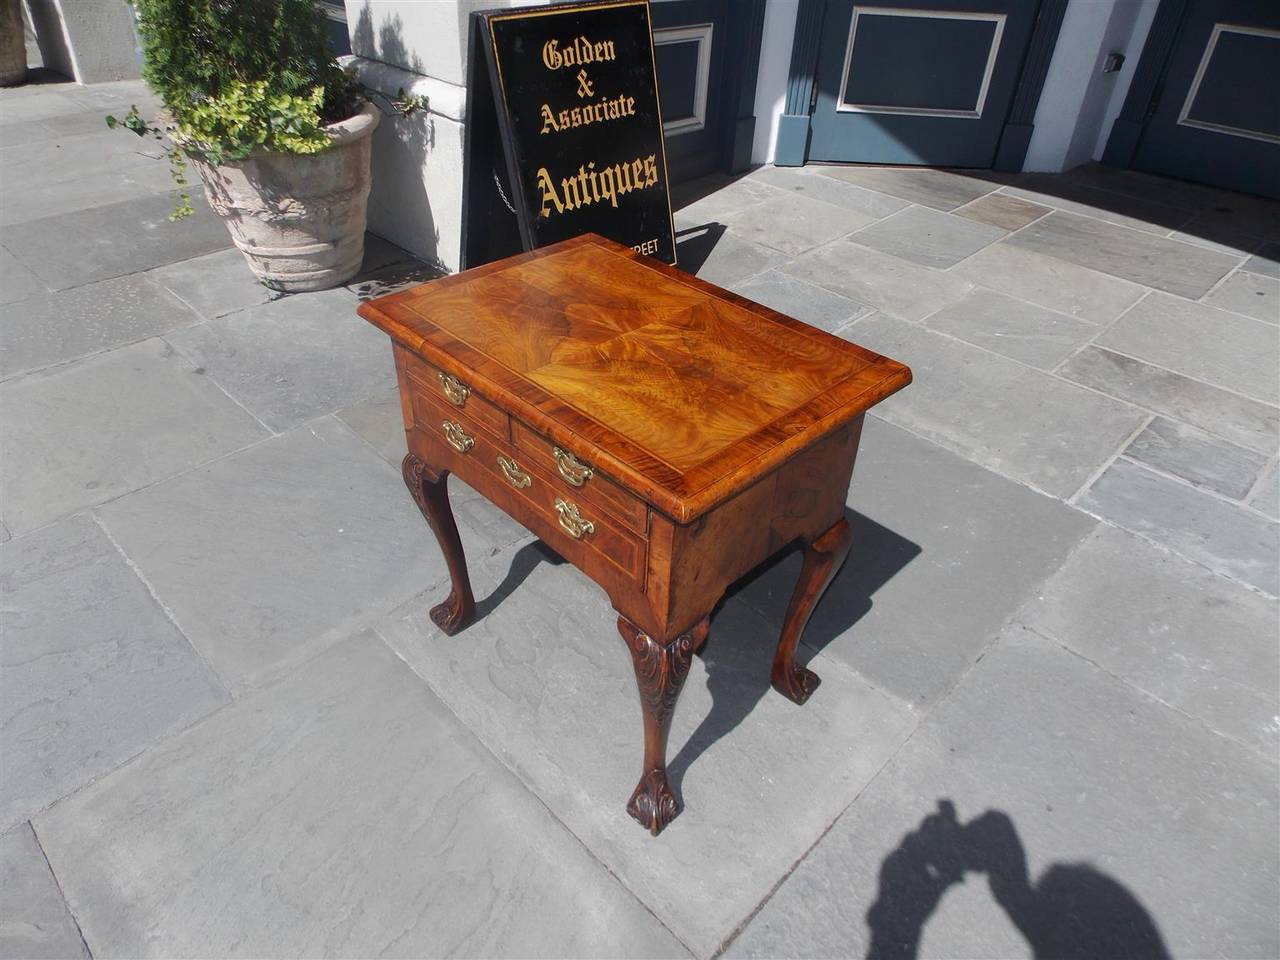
x=527, y=493
x=598, y=491
x=428, y=381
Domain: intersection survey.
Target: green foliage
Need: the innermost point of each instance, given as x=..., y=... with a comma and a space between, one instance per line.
x=194, y=50
x=242, y=75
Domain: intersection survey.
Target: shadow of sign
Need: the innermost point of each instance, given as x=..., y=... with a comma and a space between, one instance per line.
x=1073, y=911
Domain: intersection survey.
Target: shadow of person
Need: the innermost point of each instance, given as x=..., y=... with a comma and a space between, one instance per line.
x=1073, y=912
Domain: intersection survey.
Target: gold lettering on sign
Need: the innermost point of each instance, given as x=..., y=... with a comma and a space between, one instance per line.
x=598, y=112
x=590, y=185
x=578, y=52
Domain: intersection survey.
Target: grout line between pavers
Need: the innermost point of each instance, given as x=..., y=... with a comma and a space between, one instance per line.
x=1190, y=484
x=528, y=787
x=61, y=892
x=1106, y=464
x=1148, y=694
x=164, y=607
x=208, y=375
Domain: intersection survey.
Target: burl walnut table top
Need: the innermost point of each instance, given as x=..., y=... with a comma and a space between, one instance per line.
x=684, y=392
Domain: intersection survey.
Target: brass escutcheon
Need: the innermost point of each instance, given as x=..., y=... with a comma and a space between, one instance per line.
x=575, y=472
x=571, y=520
x=515, y=476
x=457, y=437
x=455, y=391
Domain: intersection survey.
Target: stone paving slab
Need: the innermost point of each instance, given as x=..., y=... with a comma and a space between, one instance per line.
x=1265, y=262
x=1221, y=348
x=718, y=198
x=293, y=359
x=939, y=189
x=928, y=237
x=1251, y=294
x=34, y=923
x=1048, y=282
x=1151, y=216
x=266, y=557
x=344, y=812
x=887, y=283
x=82, y=434
x=1008, y=213
x=99, y=188
x=805, y=301
x=720, y=257
x=93, y=670
x=1245, y=422
x=1196, y=457
x=1013, y=328
x=71, y=249
x=808, y=182
x=1196, y=641
x=1114, y=825
x=1017, y=421
x=215, y=284
x=1180, y=268
x=943, y=553
x=1266, y=498
x=794, y=224
x=16, y=281
x=44, y=330
x=546, y=682
x=1220, y=535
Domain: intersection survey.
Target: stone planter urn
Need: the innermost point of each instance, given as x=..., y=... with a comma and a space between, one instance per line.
x=299, y=219
x=13, y=44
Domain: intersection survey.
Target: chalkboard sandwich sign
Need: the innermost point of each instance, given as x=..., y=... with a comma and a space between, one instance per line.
x=568, y=95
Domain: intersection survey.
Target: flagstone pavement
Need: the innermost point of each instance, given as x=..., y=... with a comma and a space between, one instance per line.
x=1049, y=719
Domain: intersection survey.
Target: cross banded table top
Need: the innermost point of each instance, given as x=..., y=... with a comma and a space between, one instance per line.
x=684, y=392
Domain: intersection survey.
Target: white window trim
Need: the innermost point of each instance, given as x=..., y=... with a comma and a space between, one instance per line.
x=843, y=106
x=700, y=32
x=1184, y=118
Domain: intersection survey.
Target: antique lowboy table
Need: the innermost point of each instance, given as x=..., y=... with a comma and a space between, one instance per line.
x=663, y=435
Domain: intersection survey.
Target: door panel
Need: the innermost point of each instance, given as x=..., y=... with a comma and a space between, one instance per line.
x=925, y=82
x=689, y=39
x=1217, y=114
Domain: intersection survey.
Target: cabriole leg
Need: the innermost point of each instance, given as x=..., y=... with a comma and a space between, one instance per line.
x=660, y=673
x=822, y=558
x=431, y=494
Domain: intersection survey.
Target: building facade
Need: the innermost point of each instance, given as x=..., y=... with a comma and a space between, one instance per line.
x=1177, y=87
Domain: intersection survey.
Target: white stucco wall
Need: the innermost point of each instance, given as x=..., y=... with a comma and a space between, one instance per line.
x=771, y=81
x=1079, y=101
x=419, y=46
x=91, y=41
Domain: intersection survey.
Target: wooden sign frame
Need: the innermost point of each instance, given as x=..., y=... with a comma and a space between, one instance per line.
x=502, y=209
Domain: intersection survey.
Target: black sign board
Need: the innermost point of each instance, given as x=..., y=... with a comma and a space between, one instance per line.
x=568, y=95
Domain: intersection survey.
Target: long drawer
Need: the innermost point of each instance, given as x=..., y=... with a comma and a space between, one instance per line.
x=445, y=436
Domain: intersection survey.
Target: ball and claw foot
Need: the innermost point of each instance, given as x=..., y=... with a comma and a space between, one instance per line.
x=654, y=804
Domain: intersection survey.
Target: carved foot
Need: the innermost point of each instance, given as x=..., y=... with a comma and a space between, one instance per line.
x=660, y=673
x=822, y=559
x=654, y=804
x=797, y=683
x=431, y=494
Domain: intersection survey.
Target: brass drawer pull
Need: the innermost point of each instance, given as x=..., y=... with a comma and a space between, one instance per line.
x=455, y=391
x=571, y=520
x=573, y=471
x=515, y=476
x=457, y=437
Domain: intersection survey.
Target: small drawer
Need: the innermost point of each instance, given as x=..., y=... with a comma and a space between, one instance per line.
x=580, y=481
x=569, y=524
x=448, y=390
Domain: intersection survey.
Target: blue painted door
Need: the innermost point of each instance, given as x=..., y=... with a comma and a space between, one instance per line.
x=926, y=82
x=1216, y=117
